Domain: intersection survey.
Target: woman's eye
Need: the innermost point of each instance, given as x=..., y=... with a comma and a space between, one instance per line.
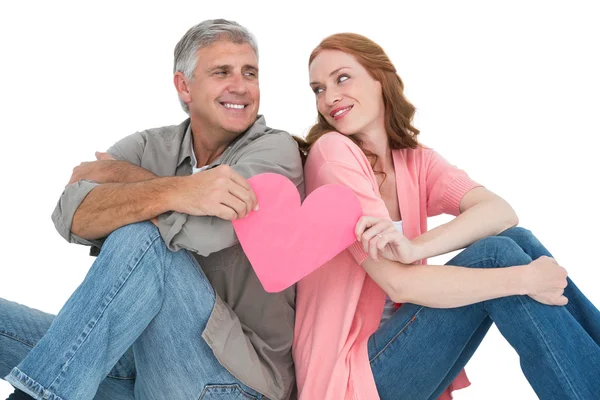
x=317, y=90
x=343, y=78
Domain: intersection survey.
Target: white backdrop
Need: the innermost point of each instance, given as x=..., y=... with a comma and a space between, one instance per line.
x=507, y=91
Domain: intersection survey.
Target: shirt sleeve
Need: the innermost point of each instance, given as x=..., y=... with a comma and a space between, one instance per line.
x=446, y=185
x=276, y=153
x=341, y=163
x=128, y=149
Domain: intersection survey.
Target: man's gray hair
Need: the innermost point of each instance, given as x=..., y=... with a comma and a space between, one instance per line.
x=205, y=34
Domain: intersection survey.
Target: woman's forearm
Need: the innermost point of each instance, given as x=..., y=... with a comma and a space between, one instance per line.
x=445, y=286
x=486, y=218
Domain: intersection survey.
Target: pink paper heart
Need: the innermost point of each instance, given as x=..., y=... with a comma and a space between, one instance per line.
x=286, y=241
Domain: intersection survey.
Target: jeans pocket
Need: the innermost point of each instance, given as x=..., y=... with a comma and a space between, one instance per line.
x=226, y=392
x=392, y=330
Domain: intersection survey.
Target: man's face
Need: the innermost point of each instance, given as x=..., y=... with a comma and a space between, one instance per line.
x=224, y=94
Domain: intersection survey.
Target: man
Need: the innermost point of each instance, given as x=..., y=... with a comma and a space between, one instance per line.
x=149, y=321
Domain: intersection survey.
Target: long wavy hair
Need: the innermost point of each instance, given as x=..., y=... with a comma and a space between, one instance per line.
x=399, y=112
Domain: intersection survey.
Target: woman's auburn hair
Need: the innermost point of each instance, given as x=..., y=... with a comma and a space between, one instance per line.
x=399, y=112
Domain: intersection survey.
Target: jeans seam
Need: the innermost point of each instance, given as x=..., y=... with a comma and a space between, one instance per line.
x=396, y=336
x=32, y=345
x=554, y=357
x=34, y=385
x=86, y=336
x=18, y=339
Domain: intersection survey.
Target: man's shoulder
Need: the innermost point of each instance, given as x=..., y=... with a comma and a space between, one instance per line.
x=167, y=133
x=262, y=134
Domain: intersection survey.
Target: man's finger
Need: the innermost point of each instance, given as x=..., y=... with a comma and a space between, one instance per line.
x=236, y=204
x=103, y=156
x=239, y=180
x=226, y=213
x=243, y=195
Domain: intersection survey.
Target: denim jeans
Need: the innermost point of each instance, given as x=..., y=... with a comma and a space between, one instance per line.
x=131, y=330
x=419, y=351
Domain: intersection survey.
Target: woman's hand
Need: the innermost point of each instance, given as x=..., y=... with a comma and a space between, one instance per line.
x=545, y=281
x=380, y=238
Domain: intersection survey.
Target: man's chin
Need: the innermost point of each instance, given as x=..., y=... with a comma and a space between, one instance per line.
x=239, y=127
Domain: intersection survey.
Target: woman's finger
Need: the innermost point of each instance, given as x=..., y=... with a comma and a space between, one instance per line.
x=363, y=224
x=377, y=229
x=373, y=251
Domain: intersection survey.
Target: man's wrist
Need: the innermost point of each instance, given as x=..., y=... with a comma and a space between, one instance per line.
x=168, y=191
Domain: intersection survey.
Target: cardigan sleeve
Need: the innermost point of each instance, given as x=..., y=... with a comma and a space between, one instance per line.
x=339, y=161
x=445, y=184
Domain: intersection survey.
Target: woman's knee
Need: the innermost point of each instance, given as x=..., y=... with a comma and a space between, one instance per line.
x=494, y=252
x=520, y=235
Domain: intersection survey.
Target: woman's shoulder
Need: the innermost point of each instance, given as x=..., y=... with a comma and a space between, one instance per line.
x=419, y=154
x=333, y=140
x=334, y=146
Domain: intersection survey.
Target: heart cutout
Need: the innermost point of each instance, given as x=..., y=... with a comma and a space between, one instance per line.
x=285, y=241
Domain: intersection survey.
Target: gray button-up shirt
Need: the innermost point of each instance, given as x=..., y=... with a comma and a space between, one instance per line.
x=250, y=331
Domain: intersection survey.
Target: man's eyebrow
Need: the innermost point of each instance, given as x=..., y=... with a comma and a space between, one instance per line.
x=228, y=67
x=331, y=74
x=223, y=67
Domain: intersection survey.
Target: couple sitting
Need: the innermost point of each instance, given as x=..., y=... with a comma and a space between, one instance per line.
x=172, y=309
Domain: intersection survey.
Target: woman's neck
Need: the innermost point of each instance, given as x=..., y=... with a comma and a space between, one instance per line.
x=377, y=143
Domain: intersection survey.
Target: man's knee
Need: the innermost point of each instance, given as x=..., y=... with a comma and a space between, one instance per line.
x=132, y=234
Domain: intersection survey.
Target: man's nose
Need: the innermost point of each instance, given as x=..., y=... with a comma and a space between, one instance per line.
x=237, y=84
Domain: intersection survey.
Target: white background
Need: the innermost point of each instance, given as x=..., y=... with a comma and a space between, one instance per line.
x=507, y=91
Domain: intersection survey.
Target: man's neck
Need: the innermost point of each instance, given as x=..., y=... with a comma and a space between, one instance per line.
x=209, y=145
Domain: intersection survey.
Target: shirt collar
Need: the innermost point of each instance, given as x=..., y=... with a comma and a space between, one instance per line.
x=187, y=145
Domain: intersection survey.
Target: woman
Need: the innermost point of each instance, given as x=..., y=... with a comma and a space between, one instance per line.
x=351, y=339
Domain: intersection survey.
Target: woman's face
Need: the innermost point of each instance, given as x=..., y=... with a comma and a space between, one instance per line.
x=347, y=96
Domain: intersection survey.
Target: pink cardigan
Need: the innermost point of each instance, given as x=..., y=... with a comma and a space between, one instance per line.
x=338, y=306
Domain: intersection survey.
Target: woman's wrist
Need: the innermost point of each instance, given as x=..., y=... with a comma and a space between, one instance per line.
x=521, y=280
x=417, y=252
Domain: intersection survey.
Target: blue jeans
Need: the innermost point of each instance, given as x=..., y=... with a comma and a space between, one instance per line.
x=131, y=330
x=419, y=351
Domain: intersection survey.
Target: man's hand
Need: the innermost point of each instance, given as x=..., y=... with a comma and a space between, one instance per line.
x=104, y=156
x=97, y=171
x=219, y=192
x=106, y=169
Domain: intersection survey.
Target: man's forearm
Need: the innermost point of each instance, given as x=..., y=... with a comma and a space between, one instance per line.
x=110, y=171
x=124, y=172
x=113, y=205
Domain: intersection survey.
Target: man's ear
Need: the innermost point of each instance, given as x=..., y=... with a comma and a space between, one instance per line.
x=181, y=85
